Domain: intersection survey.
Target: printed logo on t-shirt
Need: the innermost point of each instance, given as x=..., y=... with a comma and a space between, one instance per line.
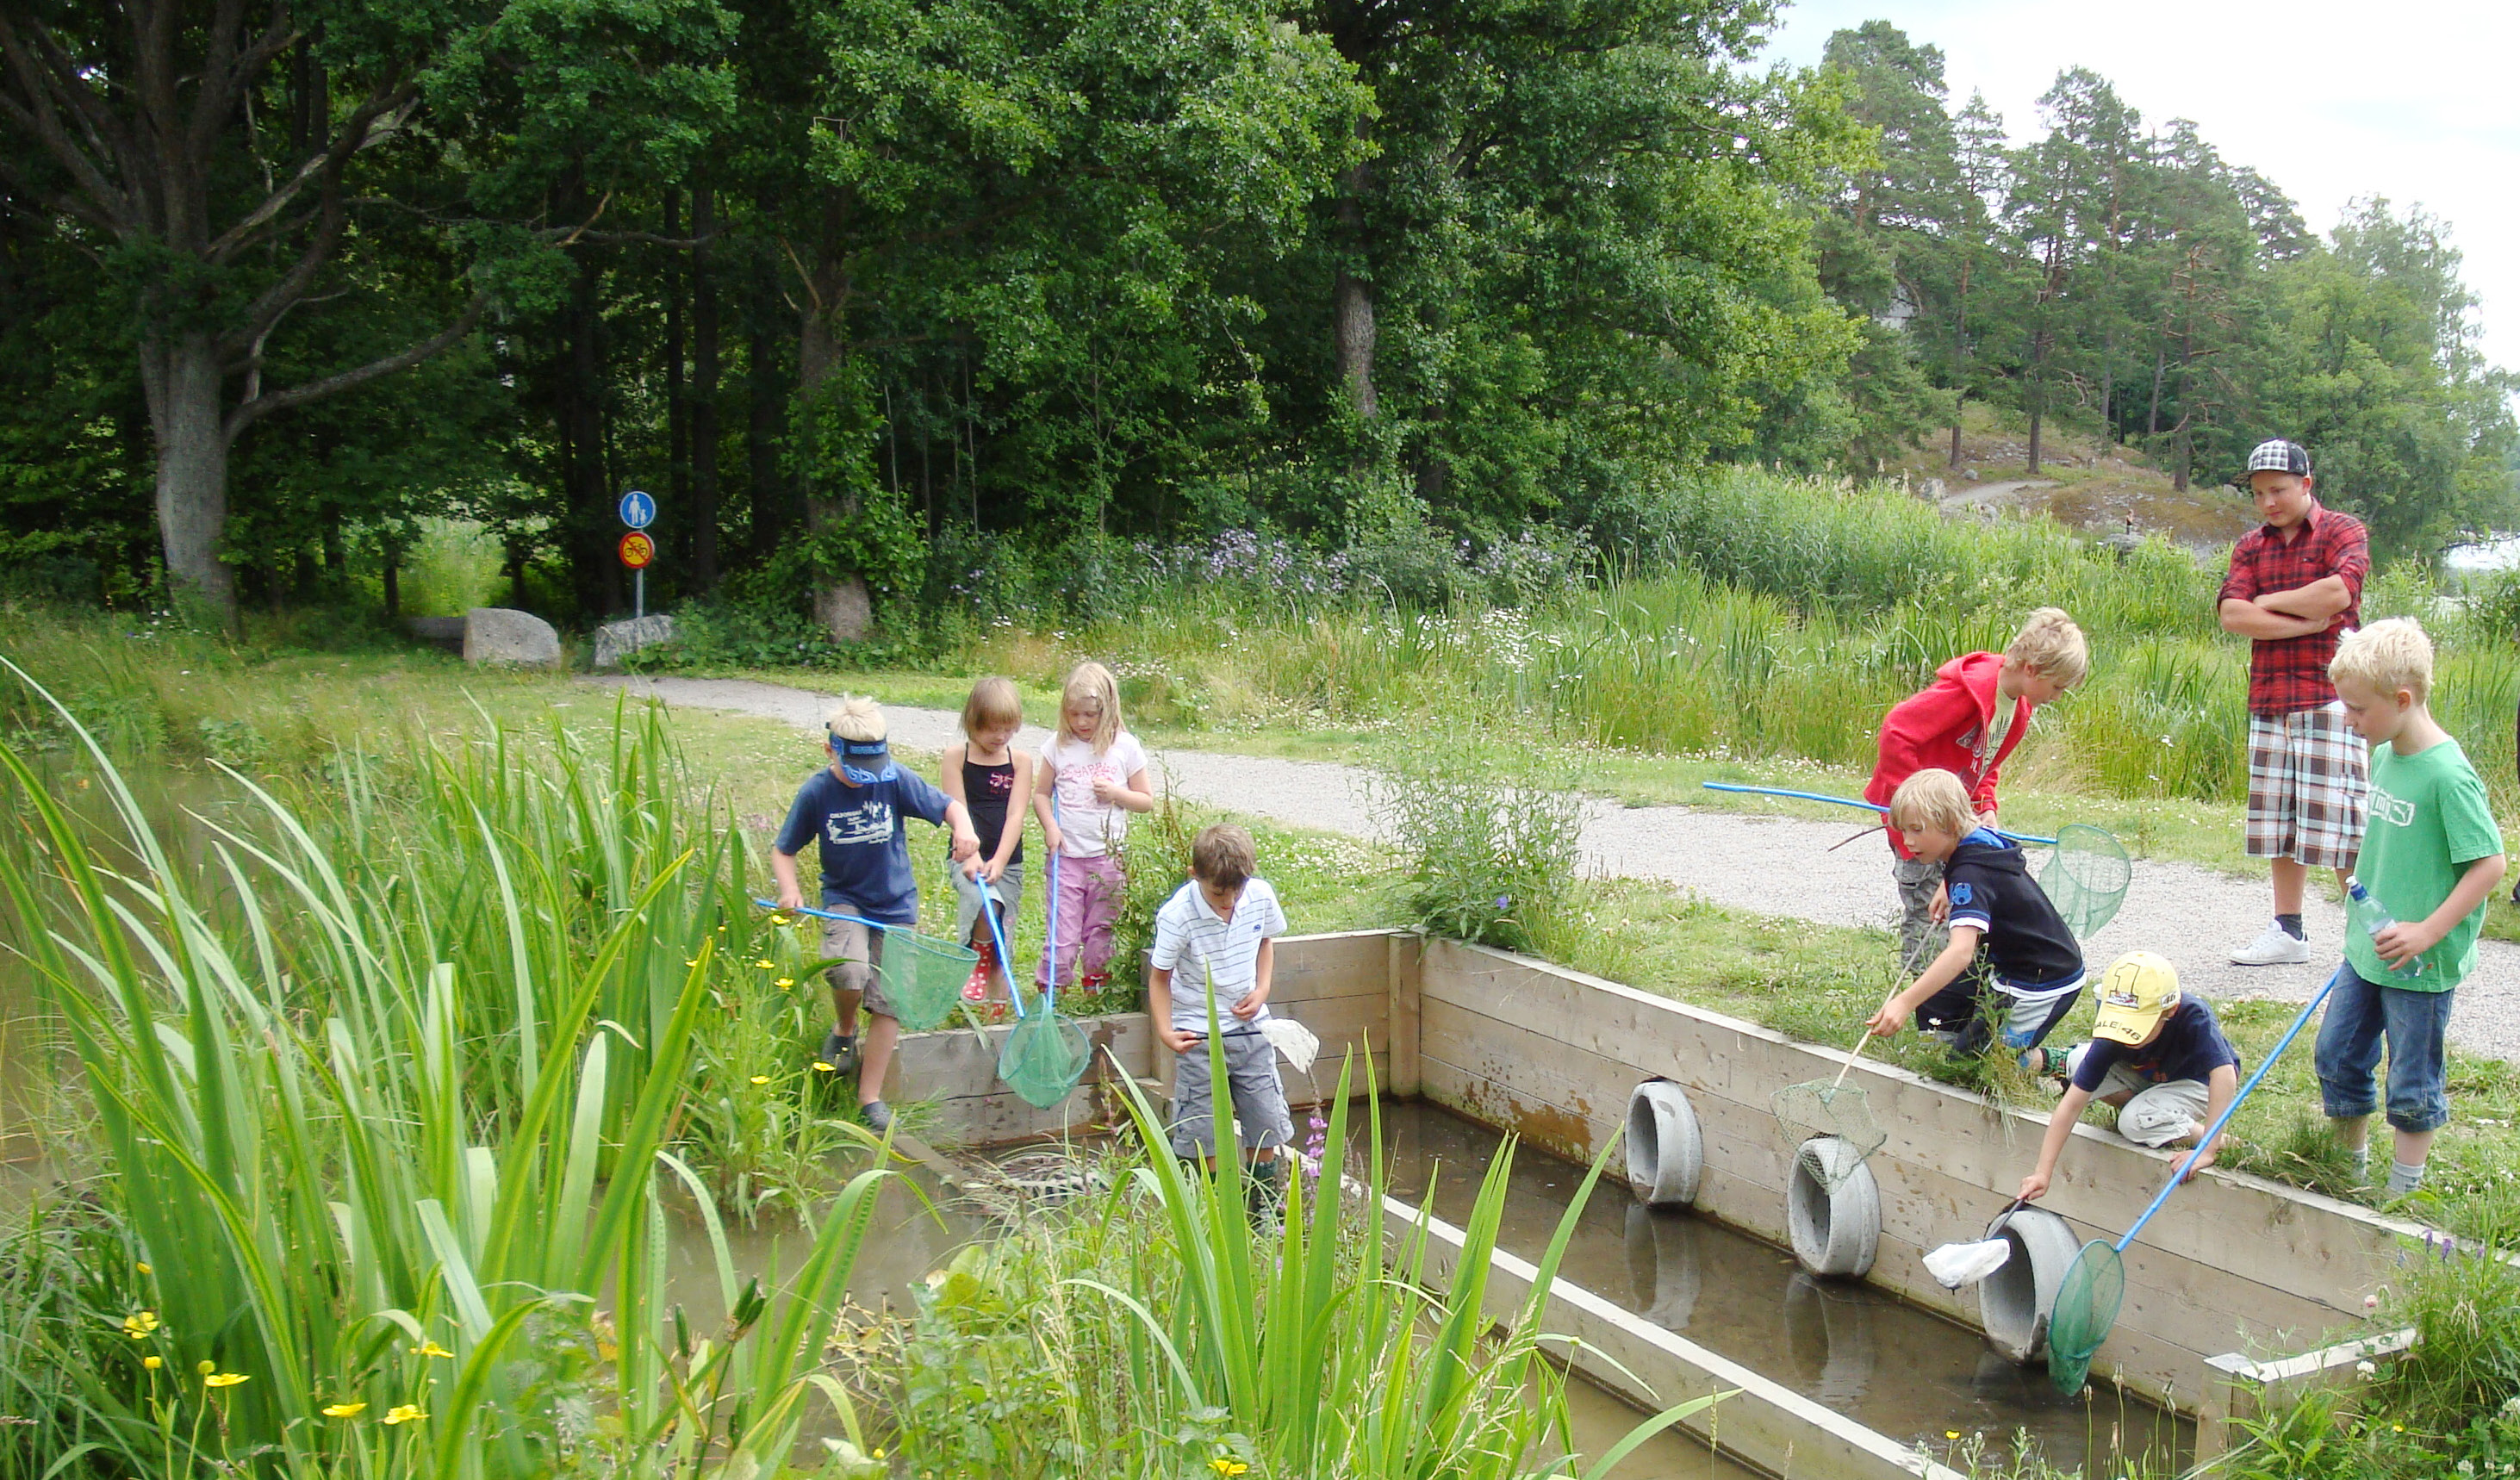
x=870, y=823
x=1962, y=894
x=2395, y=811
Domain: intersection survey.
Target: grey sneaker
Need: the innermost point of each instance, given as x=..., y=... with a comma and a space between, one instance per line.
x=877, y=1116
x=841, y=1053
x=2274, y=947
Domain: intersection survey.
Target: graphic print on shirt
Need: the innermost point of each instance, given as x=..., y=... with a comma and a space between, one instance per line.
x=2391, y=810
x=870, y=823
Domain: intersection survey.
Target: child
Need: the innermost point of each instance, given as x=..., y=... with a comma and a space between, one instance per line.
x=2156, y=1054
x=2430, y=855
x=984, y=776
x=854, y=808
x=1097, y=772
x=2033, y=970
x=1220, y=931
x=1967, y=721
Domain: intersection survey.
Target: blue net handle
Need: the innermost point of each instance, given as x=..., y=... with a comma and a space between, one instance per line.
x=997, y=933
x=854, y=919
x=1875, y=808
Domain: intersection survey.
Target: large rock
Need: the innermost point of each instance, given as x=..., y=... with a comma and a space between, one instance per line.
x=844, y=611
x=614, y=640
x=445, y=632
x=499, y=635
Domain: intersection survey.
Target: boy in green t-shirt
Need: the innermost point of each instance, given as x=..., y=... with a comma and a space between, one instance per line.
x=2431, y=853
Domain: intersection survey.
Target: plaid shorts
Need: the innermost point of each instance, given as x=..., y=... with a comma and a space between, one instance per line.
x=2309, y=776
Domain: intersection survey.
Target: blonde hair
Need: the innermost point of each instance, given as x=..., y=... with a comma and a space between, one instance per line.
x=1936, y=799
x=1222, y=855
x=2387, y=656
x=993, y=701
x=1093, y=683
x=2051, y=646
x=855, y=718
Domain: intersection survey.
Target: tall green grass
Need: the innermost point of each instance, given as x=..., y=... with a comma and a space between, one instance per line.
x=384, y=1105
x=1752, y=616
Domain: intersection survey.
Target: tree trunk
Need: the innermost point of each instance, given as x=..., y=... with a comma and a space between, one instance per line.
x=1352, y=340
x=1960, y=414
x=181, y=377
x=2152, y=415
x=594, y=572
x=843, y=607
x=773, y=511
x=678, y=431
x=393, y=583
x=704, y=335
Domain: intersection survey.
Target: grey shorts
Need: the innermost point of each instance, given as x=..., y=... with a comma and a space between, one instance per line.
x=2154, y=1115
x=858, y=951
x=967, y=902
x=1259, y=1101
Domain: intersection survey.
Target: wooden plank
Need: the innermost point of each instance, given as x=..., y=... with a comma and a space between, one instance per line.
x=1401, y=1031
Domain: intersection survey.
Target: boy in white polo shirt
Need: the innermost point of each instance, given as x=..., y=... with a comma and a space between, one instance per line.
x=1218, y=932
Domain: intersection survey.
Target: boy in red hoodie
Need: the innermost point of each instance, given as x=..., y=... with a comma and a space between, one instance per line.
x=1967, y=721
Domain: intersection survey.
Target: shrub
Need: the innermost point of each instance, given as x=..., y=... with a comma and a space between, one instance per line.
x=1493, y=833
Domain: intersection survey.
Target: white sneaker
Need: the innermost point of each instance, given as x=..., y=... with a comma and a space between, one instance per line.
x=2274, y=947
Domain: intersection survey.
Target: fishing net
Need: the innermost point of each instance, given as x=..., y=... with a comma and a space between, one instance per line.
x=1045, y=1056
x=2086, y=1305
x=924, y=977
x=2085, y=878
x=1821, y=1112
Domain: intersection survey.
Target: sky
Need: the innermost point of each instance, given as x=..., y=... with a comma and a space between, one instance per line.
x=2411, y=100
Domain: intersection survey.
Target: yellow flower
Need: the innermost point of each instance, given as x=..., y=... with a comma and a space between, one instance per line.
x=760, y=1079
x=406, y=1412
x=223, y=1379
x=139, y=1323
x=1226, y=1465
x=152, y=1362
x=786, y=981
x=146, y=1270
x=821, y=1067
x=691, y=960
x=344, y=1410
x=431, y=1349
x=1951, y=1433
x=767, y=965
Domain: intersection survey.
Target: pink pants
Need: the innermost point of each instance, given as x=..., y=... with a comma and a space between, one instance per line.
x=1087, y=906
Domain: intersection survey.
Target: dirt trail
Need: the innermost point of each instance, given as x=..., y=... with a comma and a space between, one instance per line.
x=1769, y=864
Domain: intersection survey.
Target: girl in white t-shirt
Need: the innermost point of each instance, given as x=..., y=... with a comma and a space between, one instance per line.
x=1096, y=773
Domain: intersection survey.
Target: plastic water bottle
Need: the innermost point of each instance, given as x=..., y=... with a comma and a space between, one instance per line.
x=2375, y=920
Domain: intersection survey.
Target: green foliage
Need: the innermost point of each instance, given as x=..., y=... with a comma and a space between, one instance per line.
x=1491, y=830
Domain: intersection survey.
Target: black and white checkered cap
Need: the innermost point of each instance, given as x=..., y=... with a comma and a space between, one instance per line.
x=2278, y=456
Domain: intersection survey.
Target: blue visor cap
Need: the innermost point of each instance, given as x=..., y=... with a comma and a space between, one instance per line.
x=865, y=762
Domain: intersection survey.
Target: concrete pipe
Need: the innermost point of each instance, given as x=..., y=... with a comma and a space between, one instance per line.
x=1665, y=1153
x=2014, y=1302
x=1835, y=1233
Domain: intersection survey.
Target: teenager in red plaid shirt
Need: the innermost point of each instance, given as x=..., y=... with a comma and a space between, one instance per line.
x=2295, y=586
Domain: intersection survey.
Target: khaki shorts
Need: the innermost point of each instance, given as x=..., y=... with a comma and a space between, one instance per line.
x=859, y=954
x=1259, y=1101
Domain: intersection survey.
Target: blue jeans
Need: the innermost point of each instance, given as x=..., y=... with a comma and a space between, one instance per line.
x=2360, y=1014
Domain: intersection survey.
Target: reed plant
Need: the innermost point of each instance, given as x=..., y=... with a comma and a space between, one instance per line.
x=1162, y=1329
x=385, y=1106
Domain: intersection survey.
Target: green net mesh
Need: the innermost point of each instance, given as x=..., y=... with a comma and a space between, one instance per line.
x=2086, y=1305
x=924, y=977
x=1044, y=1057
x=1819, y=1111
x=2085, y=878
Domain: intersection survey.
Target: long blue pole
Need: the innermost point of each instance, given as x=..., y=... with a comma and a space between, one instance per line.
x=1875, y=808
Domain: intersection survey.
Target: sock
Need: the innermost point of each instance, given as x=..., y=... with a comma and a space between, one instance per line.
x=2361, y=1157
x=2403, y=1178
x=2291, y=925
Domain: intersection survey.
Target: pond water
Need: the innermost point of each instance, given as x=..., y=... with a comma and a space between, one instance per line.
x=1890, y=1365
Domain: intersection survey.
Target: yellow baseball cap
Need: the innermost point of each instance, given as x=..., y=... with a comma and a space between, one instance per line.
x=2139, y=987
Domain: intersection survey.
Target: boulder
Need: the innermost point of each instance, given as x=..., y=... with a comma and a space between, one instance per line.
x=500, y=635
x=613, y=640
x=445, y=632
x=844, y=611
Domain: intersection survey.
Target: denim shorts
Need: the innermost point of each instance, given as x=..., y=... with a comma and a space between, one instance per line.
x=2359, y=1015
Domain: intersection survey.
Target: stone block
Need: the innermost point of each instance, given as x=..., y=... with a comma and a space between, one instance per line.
x=445, y=632
x=500, y=635
x=614, y=640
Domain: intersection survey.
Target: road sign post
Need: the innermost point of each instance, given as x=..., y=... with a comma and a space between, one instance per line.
x=638, y=511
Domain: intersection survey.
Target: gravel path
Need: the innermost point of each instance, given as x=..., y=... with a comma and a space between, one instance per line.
x=1769, y=864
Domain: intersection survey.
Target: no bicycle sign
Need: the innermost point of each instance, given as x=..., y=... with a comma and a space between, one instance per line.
x=637, y=549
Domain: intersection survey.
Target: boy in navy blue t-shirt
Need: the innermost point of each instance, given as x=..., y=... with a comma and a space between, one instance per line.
x=2158, y=1054
x=854, y=808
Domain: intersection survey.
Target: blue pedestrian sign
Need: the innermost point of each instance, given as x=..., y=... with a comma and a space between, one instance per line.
x=638, y=510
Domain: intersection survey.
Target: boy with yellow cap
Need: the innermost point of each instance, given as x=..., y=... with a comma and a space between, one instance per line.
x=2156, y=1053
